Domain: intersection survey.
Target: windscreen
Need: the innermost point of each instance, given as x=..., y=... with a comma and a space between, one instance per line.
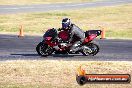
x=51, y=33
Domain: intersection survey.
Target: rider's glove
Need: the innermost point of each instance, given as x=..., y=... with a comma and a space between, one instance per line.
x=59, y=29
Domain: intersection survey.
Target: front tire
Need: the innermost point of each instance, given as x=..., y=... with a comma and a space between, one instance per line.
x=44, y=50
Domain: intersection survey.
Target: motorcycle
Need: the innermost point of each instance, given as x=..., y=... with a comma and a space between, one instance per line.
x=53, y=38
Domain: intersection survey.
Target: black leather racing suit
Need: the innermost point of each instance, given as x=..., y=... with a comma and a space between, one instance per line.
x=75, y=30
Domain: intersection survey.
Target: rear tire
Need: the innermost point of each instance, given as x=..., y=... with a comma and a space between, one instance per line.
x=44, y=50
x=94, y=47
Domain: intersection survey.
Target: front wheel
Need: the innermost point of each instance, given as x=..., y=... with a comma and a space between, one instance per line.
x=92, y=48
x=43, y=49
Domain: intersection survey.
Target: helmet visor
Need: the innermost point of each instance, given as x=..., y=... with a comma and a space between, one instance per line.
x=65, y=25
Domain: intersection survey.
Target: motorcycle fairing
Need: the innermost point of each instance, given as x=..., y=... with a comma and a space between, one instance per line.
x=50, y=34
x=48, y=38
x=90, y=38
x=64, y=35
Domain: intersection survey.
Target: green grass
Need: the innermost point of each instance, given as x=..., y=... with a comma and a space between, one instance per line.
x=28, y=2
x=57, y=73
x=117, y=20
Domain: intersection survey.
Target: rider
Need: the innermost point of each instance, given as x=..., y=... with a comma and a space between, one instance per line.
x=73, y=30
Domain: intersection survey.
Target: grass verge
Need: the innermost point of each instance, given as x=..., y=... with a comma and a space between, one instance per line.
x=57, y=73
x=117, y=20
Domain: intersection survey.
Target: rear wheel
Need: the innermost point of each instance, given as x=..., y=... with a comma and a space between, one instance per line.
x=92, y=49
x=44, y=50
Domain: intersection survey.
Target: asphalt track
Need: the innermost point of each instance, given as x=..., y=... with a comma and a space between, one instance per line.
x=8, y=9
x=14, y=48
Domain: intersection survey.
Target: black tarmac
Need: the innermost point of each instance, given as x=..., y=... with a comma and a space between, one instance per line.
x=14, y=48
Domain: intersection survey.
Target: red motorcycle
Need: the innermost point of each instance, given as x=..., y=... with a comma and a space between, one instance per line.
x=53, y=38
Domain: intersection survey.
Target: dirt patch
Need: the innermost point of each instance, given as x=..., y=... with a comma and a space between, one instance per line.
x=58, y=73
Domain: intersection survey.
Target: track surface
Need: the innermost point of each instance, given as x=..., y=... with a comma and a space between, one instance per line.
x=8, y=9
x=14, y=48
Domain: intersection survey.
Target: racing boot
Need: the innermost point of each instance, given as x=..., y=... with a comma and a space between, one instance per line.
x=76, y=47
